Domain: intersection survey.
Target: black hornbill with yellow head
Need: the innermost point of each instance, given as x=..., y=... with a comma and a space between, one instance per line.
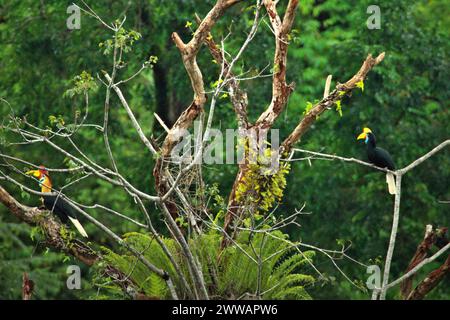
x=54, y=202
x=379, y=157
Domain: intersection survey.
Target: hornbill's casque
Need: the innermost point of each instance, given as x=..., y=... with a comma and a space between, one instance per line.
x=379, y=157
x=54, y=202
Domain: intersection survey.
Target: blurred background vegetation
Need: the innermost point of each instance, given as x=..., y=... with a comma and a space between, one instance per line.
x=405, y=102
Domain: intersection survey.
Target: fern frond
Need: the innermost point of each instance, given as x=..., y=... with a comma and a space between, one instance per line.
x=293, y=262
x=292, y=293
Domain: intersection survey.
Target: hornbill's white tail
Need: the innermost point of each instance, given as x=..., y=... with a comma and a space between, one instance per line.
x=79, y=227
x=390, y=180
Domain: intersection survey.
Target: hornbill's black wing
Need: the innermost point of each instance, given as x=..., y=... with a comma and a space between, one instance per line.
x=60, y=207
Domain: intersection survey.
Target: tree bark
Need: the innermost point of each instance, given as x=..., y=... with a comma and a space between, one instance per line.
x=188, y=53
x=431, y=281
x=27, y=287
x=280, y=94
x=432, y=237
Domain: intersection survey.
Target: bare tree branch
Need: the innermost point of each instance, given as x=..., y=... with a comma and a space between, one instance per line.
x=327, y=103
x=189, y=56
x=432, y=280
x=424, y=157
x=131, y=115
x=419, y=257
x=280, y=89
x=396, y=217
x=334, y=157
x=420, y=266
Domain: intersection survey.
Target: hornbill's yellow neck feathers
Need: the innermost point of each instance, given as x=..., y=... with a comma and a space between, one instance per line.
x=378, y=156
x=44, y=179
x=56, y=203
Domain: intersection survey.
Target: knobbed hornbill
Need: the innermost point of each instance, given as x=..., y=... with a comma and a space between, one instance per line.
x=54, y=202
x=379, y=157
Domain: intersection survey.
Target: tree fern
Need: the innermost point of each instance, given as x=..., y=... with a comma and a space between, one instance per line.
x=292, y=293
x=229, y=273
x=156, y=286
x=292, y=262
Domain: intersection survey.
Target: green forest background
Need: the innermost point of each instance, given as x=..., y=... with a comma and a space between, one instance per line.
x=405, y=102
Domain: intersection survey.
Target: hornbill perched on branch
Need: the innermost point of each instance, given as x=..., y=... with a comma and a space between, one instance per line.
x=379, y=157
x=55, y=202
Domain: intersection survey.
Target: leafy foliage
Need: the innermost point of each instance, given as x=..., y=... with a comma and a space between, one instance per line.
x=122, y=40
x=82, y=84
x=228, y=274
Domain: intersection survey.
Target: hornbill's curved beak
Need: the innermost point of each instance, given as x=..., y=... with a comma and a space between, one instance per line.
x=35, y=173
x=363, y=135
